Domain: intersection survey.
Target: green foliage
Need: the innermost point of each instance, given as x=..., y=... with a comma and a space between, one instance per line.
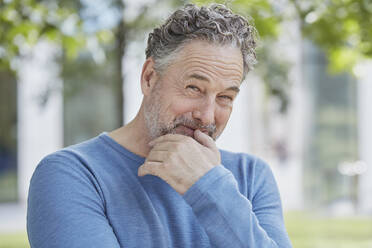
x=342, y=28
x=25, y=22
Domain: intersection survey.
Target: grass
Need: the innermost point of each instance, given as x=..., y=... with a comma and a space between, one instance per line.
x=14, y=240
x=305, y=231
x=309, y=231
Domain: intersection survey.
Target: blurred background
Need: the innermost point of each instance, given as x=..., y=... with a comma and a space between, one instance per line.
x=70, y=69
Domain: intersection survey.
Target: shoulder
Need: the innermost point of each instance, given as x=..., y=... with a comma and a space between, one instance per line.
x=78, y=154
x=64, y=194
x=70, y=164
x=64, y=174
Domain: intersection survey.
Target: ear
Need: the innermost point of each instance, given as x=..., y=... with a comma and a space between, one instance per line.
x=148, y=76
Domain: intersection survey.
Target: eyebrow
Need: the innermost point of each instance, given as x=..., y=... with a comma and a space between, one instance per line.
x=202, y=78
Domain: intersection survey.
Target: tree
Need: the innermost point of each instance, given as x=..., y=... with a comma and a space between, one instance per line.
x=342, y=28
x=66, y=23
x=25, y=22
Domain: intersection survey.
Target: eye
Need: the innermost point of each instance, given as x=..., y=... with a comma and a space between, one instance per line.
x=228, y=98
x=193, y=87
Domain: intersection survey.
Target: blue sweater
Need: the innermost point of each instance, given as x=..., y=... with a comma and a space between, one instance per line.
x=89, y=195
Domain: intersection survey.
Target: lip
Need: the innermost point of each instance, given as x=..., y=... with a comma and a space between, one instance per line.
x=201, y=130
x=189, y=127
x=192, y=129
x=186, y=130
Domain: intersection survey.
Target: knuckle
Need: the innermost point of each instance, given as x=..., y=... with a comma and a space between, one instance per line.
x=166, y=165
x=188, y=139
x=177, y=146
x=171, y=156
x=171, y=150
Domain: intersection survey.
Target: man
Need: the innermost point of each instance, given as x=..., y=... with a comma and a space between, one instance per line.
x=160, y=181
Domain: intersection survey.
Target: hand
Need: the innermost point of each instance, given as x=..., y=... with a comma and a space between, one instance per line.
x=180, y=160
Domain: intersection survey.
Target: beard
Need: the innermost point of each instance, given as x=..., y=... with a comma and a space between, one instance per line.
x=156, y=126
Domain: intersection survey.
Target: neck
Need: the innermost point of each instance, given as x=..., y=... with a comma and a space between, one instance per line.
x=133, y=136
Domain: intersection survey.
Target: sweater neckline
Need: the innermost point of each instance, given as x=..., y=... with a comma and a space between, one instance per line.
x=121, y=149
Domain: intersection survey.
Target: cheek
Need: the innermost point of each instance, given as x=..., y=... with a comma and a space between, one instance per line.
x=222, y=117
x=181, y=106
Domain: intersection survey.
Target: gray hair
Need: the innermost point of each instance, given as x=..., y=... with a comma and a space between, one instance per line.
x=216, y=24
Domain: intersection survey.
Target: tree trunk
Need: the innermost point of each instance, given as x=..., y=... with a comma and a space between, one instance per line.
x=120, y=47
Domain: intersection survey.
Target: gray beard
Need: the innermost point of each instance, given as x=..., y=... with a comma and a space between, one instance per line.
x=151, y=113
x=156, y=128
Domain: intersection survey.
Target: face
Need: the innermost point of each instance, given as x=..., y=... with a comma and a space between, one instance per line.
x=196, y=91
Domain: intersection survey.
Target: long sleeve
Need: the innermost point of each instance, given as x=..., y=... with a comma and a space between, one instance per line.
x=66, y=209
x=230, y=218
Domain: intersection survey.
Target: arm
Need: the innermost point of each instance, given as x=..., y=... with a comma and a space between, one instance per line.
x=65, y=207
x=192, y=168
x=230, y=219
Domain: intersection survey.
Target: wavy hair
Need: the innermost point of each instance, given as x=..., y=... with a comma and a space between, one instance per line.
x=216, y=24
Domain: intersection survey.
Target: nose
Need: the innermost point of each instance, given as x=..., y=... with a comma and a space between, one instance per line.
x=205, y=112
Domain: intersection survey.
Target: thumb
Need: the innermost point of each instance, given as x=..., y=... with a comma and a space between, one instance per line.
x=204, y=139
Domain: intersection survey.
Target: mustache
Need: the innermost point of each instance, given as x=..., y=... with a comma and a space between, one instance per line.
x=194, y=124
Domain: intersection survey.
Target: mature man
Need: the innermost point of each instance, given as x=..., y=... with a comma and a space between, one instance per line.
x=160, y=181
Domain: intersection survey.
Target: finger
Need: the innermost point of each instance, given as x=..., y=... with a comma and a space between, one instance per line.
x=165, y=146
x=204, y=139
x=157, y=156
x=167, y=137
x=149, y=168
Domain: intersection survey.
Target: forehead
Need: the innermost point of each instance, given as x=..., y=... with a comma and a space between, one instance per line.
x=214, y=60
